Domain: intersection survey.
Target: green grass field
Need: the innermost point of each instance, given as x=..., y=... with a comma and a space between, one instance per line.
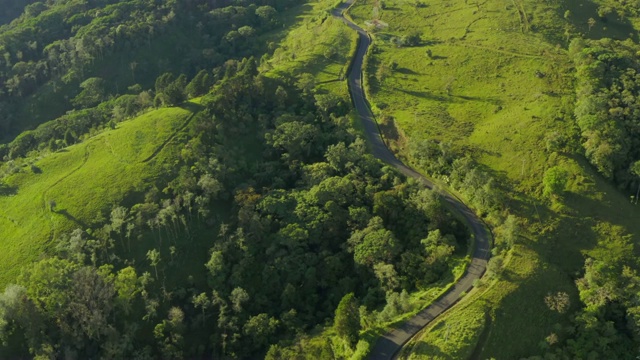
x=494, y=79
x=84, y=180
x=318, y=44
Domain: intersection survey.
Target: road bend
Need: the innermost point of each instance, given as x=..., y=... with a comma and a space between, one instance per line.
x=390, y=344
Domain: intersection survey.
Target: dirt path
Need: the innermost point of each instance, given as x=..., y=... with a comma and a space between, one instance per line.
x=170, y=138
x=390, y=344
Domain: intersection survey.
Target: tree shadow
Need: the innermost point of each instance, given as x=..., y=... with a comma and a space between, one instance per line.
x=36, y=170
x=66, y=214
x=484, y=335
x=449, y=98
x=494, y=101
x=406, y=71
x=424, y=95
x=7, y=190
x=190, y=106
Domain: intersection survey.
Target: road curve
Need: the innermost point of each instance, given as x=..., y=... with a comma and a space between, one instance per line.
x=388, y=346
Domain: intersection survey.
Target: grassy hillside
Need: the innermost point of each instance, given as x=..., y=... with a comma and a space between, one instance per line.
x=494, y=81
x=85, y=181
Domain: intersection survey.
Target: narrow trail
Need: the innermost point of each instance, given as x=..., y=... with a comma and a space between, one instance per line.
x=170, y=138
x=389, y=345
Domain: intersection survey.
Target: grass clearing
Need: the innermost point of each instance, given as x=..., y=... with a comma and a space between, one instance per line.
x=84, y=180
x=317, y=44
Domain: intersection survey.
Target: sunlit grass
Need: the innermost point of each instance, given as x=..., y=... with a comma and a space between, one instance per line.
x=84, y=181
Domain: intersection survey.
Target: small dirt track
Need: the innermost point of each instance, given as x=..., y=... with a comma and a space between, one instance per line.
x=388, y=346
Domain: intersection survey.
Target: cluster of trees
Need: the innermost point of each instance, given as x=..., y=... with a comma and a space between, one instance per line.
x=607, y=108
x=97, y=112
x=608, y=324
x=313, y=218
x=55, y=46
x=461, y=172
x=622, y=8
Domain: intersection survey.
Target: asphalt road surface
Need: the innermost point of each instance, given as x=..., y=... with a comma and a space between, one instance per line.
x=389, y=345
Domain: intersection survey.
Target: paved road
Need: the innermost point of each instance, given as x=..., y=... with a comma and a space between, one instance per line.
x=390, y=344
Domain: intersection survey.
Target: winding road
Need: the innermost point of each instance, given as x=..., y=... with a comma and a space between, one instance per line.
x=388, y=346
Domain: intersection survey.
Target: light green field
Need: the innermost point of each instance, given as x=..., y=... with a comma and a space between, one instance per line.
x=317, y=44
x=84, y=180
x=498, y=85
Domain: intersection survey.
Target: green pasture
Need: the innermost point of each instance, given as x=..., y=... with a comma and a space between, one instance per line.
x=85, y=181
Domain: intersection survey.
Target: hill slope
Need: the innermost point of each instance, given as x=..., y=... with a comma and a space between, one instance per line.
x=492, y=82
x=84, y=181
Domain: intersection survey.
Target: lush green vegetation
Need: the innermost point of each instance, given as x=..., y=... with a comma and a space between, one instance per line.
x=488, y=87
x=144, y=226
x=250, y=221
x=83, y=180
x=50, y=51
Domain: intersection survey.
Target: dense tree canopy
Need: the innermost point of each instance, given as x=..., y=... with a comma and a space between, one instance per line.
x=607, y=110
x=312, y=218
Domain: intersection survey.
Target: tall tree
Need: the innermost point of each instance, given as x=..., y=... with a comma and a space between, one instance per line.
x=347, y=319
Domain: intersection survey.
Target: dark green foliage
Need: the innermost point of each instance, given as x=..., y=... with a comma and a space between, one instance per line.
x=51, y=49
x=607, y=110
x=554, y=181
x=199, y=85
x=347, y=319
x=91, y=95
x=309, y=217
x=607, y=326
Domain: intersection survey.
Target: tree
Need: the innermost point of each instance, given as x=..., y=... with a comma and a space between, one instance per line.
x=175, y=92
x=119, y=217
x=374, y=244
x=126, y=286
x=199, y=85
x=555, y=181
x=133, y=65
x=201, y=301
x=92, y=93
x=297, y=139
x=387, y=276
x=259, y=329
x=559, y=301
x=635, y=170
x=347, y=319
x=237, y=298
x=306, y=82
x=153, y=256
x=267, y=14
x=510, y=230
x=438, y=247
x=169, y=334
x=591, y=22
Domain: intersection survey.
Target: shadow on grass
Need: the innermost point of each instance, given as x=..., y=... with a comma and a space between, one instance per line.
x=406, y=71
x=484, y=335
x=432, y=351
x=66, y=214
x=6, y=190
x=190, y=106
x=448, y=98
x=532, y=322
